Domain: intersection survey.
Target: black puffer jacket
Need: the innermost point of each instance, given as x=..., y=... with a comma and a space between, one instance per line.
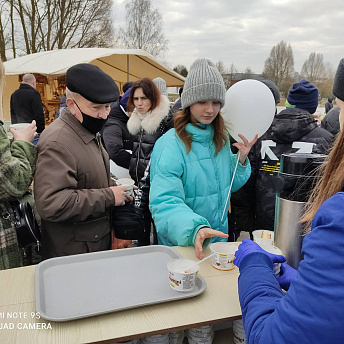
x=331, y=121
x=116, y=137
x=145, y=134
x=328, y=107
x=292, y=130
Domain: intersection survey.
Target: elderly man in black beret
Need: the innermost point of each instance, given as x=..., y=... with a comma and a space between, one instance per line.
x=73, y=189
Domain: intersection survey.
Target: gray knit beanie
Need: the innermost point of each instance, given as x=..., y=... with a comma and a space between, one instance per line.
x=338, y=85
x=161, y=85
x=203, y=82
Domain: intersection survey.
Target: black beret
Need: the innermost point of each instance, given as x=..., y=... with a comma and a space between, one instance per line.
x=92, y=83
x=338, y=85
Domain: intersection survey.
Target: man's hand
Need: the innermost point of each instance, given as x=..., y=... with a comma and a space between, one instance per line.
x=202, y=234
x=121, y=195
x=248, y=246
x=27, y=134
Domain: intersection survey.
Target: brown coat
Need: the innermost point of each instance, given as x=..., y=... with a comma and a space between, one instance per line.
x=71, y=189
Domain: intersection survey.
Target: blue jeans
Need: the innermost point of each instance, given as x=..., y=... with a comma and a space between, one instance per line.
x=35, y=139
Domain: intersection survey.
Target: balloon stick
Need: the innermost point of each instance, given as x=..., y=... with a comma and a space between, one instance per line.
x=230, y=187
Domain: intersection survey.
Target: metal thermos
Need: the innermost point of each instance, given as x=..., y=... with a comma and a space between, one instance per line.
x=296, y=178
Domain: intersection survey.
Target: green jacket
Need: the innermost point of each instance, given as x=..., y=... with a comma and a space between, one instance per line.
x=17, y=166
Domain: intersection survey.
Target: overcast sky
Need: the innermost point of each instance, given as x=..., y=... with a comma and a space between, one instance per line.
x=243, y=32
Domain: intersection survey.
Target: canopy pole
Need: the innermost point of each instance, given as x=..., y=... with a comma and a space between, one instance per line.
x=127, y=67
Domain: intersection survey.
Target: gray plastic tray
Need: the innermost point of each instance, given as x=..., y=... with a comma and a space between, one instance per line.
x=85, y=285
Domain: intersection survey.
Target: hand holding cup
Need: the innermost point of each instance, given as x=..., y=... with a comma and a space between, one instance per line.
x=121, y=195
x=248, y=246
x=129, y=183
x=23, y=131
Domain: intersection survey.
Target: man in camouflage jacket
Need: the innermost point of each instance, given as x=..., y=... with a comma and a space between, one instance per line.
x=17, y=166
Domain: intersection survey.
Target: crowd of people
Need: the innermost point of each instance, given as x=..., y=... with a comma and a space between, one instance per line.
x=182, y=160
x=312, y=309
x=293, y=129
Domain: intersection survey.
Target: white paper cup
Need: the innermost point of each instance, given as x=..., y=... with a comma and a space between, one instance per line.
x=239, y=336
x=195, y=340
x=258, y=236
x=129, y=183
x=224, y=255
x=133, y=341
x=198, y=335
x=271, y=249
x=274, y=250
x=19, y=126
x=157, y=339
x=179, y=334
x=177, y=337
x=179, y=279
x=203, y=329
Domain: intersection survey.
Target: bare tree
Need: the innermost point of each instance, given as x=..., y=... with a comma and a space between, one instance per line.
x=29, y=26
x=227, y=74
x=321, y=74
x=285, y=86
x=232, y=69
x=247, y=74
x=181, y=69
x=143, y=28
x=326, y=84
x=280, y=64
x=5, y=22
x=313, y=69
x=221, y=67
x=230, y=76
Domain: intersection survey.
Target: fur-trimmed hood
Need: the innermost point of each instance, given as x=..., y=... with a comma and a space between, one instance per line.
x=152, y=119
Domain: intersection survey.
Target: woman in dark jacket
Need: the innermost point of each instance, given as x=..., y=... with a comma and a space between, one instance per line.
x=149, y=120
x=115, y=134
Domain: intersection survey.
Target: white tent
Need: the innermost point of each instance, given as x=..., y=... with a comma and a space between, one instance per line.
x=121, y=64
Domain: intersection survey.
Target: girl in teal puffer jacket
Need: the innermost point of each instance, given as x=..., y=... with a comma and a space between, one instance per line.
x=192, y=166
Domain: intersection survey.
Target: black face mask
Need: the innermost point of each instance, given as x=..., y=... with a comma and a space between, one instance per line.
x=92, y=124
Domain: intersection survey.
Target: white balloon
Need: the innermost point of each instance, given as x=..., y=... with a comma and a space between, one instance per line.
x=249, y=110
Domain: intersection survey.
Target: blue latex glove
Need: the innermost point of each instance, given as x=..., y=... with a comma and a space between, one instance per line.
x=287, y=274
x=248, y=246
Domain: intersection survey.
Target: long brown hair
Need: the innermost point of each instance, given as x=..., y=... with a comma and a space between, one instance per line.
x=331, y=182
x=149, y=89
x=183, y=117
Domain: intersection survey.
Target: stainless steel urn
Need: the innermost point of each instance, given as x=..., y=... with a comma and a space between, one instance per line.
x=296, y=178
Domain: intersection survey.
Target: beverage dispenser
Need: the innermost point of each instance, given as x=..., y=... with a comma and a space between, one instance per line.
x=296, y=178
